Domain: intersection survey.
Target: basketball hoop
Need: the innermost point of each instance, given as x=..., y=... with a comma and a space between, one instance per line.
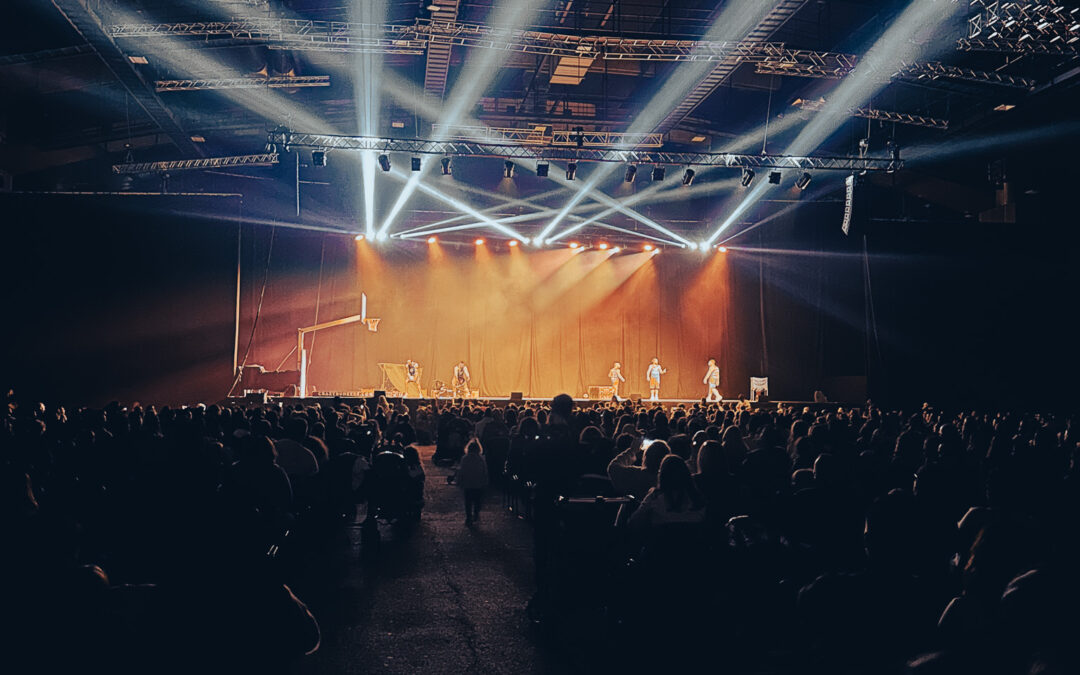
x=372, y=325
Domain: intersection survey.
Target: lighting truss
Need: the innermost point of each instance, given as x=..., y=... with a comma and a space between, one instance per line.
x=901, y=118
x=334, y=36
x=933, y=70
x=533, y=153
x=1060, y=48
x=344, y=36
x=1023, y=22
x=264, y=159
x=816, y=105
x=543, y=134
x=272, y=82
x=796, y=69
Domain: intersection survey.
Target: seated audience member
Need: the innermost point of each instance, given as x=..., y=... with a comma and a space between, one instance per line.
x=630, y=479
x=674, y=500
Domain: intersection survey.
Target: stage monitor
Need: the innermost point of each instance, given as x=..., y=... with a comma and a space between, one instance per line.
x=377, y=393
x=516, y=397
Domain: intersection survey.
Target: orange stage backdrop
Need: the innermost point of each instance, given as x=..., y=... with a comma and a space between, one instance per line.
x=541, y=322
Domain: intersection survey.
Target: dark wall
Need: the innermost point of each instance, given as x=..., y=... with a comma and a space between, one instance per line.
x=126, y=298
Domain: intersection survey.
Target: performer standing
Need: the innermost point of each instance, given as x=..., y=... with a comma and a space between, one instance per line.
x=615, y=375
x=653, y=374
x=412, y=377
x=712, y=378
x=461, y=380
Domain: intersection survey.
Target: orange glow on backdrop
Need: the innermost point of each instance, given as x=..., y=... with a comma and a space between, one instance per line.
x=541, y=322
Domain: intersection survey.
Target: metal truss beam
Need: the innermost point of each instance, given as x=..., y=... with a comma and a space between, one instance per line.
x=1060, y=48
x=901, y=118
x=1025, y=21
x=437, y=64
x=288, y=139
x=543, y=134
x=933, y=70
x=272, y=82
x=264, y=159
x=415, y=38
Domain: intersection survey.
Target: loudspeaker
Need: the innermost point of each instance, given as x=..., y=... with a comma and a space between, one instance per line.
x=515, y=397
x=258, y=397
x=856, y=206
x=377, y=393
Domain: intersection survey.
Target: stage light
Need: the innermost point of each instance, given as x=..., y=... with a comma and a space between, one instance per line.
x=447, y=169
x=432, y=240
x=688, y=177
x=803, y=181
x=722, y=249
x=747, y=177
x=616, y=249
x=658, y=173
x=603, y=247
x=414, y=163
x=382, y=236
x=384, y=162
x=513, y=242
x=648, y=247
x=508, y=169
x=318, y=158
x=542, y=169
x=579, y=138
x=571, y=170
x=631, y=172
x=359, y=237
x=479, y=242
x=574, y=244
x=774, y=178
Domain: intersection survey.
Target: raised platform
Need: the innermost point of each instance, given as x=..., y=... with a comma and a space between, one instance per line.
x=413, y=403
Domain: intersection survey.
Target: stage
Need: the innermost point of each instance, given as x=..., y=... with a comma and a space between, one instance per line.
x=503, y=401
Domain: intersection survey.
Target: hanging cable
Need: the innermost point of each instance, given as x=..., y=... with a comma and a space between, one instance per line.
x=258, y=312
x=318, y=298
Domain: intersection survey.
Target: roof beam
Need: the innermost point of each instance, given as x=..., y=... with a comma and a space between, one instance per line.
x=90, y=26
x=768, y=26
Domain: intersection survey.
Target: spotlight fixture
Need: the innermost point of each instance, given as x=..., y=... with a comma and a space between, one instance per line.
x=447, y=169
x=414, y=163
x=542, y=169
x=774, y=178
x=513, y=242
x=359, y=237
x=631, y=172
x=384, y=162
x=574, y=244
x=318, y=158
x=616, y=249
x=571, y=170
x=688, y=177
x=479, y=242
x=603, y=247
x=658, y=173
x=747, y=177
x=722, y=249
x=432, y=240
x=803, y=181
x=508, y=169
x=649, y=247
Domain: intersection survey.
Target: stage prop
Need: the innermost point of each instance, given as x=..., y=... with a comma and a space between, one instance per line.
x=759, y=388
x=255, y=379
x=394, y=379
x=301, y=352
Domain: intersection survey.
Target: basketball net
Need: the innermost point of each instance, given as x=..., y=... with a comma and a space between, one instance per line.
x=372, y=325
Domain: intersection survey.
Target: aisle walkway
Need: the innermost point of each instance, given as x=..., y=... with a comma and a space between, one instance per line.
x=443, y=599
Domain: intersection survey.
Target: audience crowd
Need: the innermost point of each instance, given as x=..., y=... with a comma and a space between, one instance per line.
x=781, y=539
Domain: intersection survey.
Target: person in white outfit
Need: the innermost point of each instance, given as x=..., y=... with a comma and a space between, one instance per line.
x=712, y=378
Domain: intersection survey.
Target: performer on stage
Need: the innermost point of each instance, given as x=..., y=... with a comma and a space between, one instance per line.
x=412, y=378
x=712, y=378
x=653, y=374
x=461, y=380
x=615, y=375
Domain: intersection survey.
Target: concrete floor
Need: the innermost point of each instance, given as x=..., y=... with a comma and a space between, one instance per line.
x=443, y=598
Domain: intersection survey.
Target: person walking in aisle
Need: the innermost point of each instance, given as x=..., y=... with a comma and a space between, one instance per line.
x=472, y=476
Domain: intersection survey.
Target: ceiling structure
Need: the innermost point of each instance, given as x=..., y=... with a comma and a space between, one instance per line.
x=91, y=84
